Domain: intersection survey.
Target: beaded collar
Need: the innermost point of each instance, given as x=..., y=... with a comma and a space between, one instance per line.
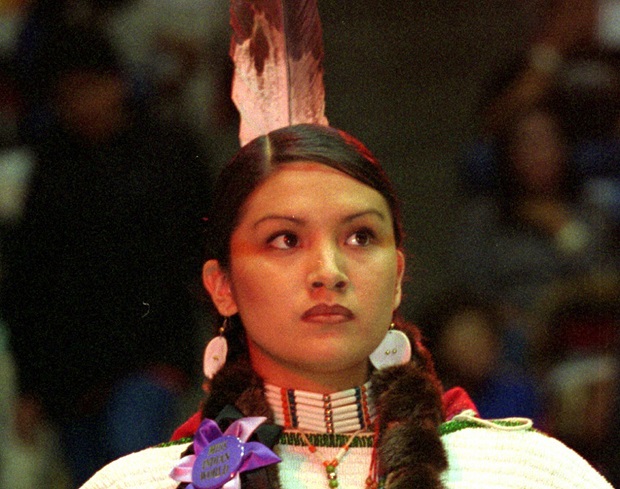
x=340, y=412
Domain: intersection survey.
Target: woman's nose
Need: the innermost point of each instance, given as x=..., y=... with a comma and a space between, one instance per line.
x=327, y=271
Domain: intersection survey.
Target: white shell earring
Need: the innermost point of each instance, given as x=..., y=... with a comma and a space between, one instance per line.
x=215, y=353
x=394, y=349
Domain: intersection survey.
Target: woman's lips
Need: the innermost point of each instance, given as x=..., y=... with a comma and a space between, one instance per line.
x=324, y=313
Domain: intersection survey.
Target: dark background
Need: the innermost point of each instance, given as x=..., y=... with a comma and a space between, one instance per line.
x=406, y=77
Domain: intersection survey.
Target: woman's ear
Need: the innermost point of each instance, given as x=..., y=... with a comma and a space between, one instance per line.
x=400, y=270
x=217, y=283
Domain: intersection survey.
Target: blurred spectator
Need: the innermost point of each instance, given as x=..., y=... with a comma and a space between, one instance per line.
x=15, y=160
x=566, y=27
x=10, y=17
x=97, y=291
x=178, y=51
x=173, y=53
x=470, y=340
x=10, y=103
x=580, y=356
x=23, y=463
x=534, y=227
x=514, y=239
x=571, y=65
x=42, y=21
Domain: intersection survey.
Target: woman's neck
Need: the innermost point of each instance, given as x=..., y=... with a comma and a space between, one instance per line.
x=324, y=382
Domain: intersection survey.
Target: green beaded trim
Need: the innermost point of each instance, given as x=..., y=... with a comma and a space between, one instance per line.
x=334, y=440
x=454, y=426
x=180, y=441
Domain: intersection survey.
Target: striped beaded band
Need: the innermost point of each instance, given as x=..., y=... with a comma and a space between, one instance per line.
x=342, y=412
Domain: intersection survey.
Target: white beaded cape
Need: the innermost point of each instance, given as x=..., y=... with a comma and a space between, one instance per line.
x=479, y=457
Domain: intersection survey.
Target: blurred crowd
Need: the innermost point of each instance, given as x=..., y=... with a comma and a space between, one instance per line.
x=109, y=115
x=112, y=113
x=529, y=323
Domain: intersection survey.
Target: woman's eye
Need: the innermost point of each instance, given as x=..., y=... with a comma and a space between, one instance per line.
x=284, y=241
x=360, y=238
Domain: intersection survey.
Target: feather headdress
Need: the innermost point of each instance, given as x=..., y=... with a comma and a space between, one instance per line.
x=277, y=50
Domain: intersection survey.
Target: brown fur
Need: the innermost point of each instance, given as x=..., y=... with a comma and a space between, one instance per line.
x=409, y=410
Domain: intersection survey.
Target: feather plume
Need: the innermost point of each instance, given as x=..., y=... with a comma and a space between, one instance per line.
x=277, y=50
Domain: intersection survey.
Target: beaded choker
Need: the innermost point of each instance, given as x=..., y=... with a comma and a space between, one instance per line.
x=341, y=412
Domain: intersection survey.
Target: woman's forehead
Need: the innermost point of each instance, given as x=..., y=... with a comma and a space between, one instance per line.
x=310, y=186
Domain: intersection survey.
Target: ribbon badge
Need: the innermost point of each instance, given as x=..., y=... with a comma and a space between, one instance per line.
x=220, y=457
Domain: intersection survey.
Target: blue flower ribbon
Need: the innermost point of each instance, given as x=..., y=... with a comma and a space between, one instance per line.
x=219, y=458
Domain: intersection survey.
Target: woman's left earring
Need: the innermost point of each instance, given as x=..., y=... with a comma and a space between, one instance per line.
x=215, y=353
x=395, y=349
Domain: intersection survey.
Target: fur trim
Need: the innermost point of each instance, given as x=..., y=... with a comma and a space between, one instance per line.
x=409, y=411
x=237, y=385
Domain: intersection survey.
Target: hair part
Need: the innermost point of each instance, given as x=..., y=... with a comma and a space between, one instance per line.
x=260, y=158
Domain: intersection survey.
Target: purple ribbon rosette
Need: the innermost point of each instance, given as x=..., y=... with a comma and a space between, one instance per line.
x=219, y=457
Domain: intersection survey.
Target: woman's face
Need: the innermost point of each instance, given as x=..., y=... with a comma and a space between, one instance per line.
x=315, y=276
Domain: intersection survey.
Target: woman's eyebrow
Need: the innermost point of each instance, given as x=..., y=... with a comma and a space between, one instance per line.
x=364, y=213
x=279, y=217
x=300, y=221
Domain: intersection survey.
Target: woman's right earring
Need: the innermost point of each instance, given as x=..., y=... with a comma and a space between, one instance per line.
x=215, y=353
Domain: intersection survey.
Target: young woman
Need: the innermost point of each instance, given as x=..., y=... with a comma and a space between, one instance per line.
x=305, y=270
